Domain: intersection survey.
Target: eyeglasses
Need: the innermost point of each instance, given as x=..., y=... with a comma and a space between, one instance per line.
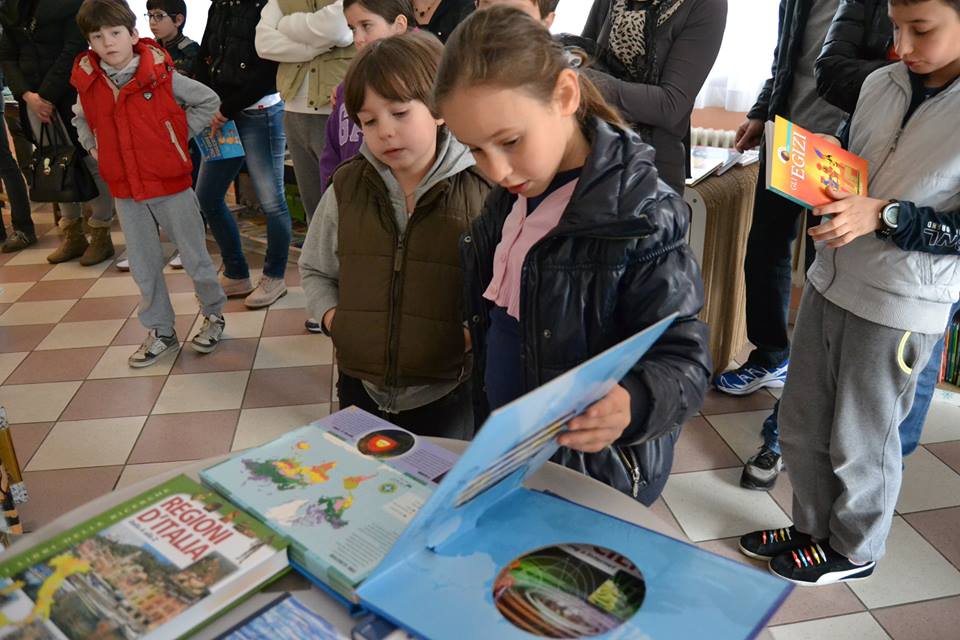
x=156, y=17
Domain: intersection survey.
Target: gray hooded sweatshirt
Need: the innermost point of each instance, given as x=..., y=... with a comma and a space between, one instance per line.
x=919, y=163
x=320, y=264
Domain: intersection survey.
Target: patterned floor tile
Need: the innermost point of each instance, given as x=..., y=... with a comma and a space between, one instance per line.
x=87, y=443
x=948, y=452
x=741, y=431
x=113, y=364
x=711, y=504
x=912, y=570
x=36, y=402
x=928, y=483
x=933, y=620
x=27, y=439
x=941, y=528
x=716, y=403
x=21, y=313
x=119, y=307
x=230, y=355
x=185, y=436
x=294, y=351
x=57, y=290
x=59, y=365
x=114, y=398
x=284, y=322
x=856, y=626
x=287, y=386
x=259, y=426
x=73, y=335
x=24, y=273
x=9, y=362
x=700, y=448
x=202, y=392
x=54, y=493
x=73, y=270
x=24, y=337
x=134, y=473
x=12, y=291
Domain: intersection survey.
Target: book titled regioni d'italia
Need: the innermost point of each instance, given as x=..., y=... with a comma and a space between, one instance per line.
x=159, y=565
x=801, y=166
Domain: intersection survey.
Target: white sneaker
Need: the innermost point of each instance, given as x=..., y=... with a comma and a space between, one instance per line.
x=176, y=262
x=123, y=265
x=268, y=291
x=209, y=335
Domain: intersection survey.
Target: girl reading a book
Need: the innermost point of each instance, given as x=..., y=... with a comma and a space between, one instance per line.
x=579, y=247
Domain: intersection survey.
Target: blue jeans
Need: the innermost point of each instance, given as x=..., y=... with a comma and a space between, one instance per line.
x=911, y=427
x=264, y=141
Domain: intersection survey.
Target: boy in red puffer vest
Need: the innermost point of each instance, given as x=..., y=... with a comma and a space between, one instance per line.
x=135, y=115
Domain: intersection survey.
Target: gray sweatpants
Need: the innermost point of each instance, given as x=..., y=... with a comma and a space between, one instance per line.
x=179, y=215
x=306, y=137
x=850, y=384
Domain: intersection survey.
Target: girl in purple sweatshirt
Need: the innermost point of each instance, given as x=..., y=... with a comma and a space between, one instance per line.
x=369, y=20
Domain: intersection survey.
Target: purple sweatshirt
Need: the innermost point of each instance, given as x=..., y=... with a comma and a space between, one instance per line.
x=343, y=140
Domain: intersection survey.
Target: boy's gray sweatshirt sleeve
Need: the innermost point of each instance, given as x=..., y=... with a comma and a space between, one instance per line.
x=199, y=101
x=319, y=263
x=84, y=134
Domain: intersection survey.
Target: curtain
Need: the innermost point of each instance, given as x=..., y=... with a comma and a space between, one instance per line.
x=745, y=55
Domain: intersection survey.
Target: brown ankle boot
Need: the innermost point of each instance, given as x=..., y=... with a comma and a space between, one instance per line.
x=100, y=248
x=73, y=243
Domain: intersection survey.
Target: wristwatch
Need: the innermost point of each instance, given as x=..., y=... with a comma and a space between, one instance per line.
x=889, y=217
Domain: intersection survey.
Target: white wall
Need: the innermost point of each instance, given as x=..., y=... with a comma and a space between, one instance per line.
x=196, y=17
x=571, y=14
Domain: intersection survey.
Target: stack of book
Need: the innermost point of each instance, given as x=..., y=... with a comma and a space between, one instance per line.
x=950, y=368
x=438, y=546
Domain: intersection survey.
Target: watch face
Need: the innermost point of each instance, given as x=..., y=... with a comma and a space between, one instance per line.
x=891, y=215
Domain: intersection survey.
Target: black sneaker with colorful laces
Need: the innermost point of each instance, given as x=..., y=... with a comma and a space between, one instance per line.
x=770, y=543
x=818, y=564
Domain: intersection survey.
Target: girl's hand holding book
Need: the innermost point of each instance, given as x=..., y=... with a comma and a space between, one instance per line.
x=601, y=425
x=853, y=216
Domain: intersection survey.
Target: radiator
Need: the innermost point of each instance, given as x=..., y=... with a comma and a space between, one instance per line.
x=701, y=137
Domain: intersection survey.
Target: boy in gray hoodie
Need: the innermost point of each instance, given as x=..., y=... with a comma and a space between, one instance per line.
x=380, y=263
x=874, y=307
x=135, y=115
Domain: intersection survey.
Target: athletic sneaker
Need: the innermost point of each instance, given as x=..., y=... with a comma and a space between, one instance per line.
x=761, y=470
x=818, y=564
x=123, y=265
x=767, y=544
x=152, y=348
x=749, y=378
x=176, y=262
x=312, y=326
x=209, y=335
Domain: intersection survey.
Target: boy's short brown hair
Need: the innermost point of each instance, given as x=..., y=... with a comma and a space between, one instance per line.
x=96, y=14
x=546, y=7
x=400, y=68
x=953, y=4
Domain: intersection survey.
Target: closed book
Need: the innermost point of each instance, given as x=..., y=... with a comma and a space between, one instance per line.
x=159, y=565
x=341, y=490
x=801, y=166
x=220, y=145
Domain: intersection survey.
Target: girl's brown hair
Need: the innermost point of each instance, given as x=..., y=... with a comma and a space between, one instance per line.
x=386, y=9
x=504, y=47
x=400, y=68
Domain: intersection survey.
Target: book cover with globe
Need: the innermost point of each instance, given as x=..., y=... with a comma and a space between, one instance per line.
x=341, y=490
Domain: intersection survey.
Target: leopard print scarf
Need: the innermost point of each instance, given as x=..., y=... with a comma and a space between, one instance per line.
x=633, y=36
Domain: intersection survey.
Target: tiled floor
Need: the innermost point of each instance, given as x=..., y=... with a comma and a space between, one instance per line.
x=85, y=423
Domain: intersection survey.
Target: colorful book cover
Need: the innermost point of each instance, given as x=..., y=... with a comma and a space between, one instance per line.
x=801, y=165
x=518, y=563
x=156, y=566
x=341, y=490
x=286, y=618
x=223, y=144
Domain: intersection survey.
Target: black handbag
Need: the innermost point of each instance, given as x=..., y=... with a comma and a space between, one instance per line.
x=57, y=171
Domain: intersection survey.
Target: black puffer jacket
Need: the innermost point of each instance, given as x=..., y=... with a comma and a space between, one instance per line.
x=228, y=62
x=40, y=40
x=857, y=44
x=617, y=262
x=773, y=97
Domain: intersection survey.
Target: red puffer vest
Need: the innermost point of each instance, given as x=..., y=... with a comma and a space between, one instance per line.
x=141, y=131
